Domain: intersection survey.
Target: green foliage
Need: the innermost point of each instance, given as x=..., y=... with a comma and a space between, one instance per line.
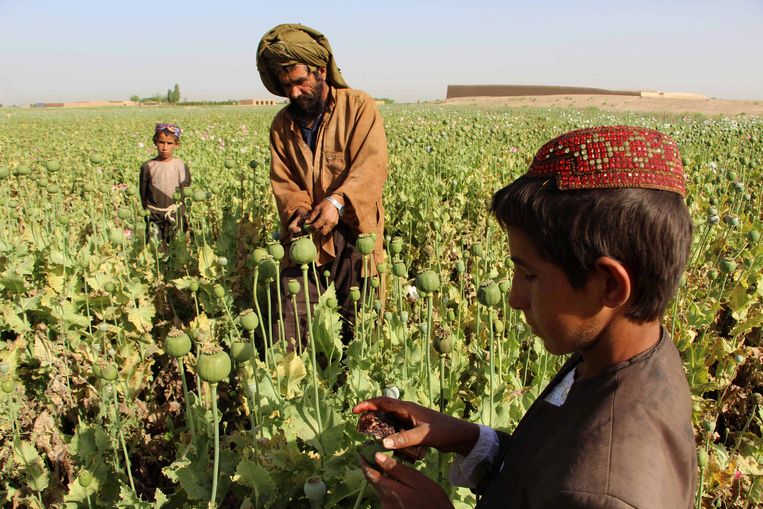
x=72, y=302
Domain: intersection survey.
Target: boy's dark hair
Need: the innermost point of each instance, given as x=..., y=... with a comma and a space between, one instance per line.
x=648, y=230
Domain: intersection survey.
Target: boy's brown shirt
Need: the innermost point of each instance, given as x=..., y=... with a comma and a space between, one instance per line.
x=622, y=439
x=350, y=160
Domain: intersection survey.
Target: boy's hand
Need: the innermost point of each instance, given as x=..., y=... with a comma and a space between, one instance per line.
x=403, y=487
x=324, y=217
x=429, y=427
x=295, y=227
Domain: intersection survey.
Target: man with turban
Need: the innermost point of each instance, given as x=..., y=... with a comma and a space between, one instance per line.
x=328, y=159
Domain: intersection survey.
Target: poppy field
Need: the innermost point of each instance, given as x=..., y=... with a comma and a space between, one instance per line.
x=147, y=376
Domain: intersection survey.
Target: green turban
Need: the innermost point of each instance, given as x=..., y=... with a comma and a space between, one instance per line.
x=292, y=44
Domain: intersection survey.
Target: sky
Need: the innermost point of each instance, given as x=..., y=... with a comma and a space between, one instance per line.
x=58, y=51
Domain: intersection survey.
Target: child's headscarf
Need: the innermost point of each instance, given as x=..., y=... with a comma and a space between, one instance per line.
x=170, y=128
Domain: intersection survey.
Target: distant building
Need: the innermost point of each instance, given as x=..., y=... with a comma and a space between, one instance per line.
x=258, y=102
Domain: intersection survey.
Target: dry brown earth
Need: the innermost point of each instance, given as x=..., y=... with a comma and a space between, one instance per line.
x=712, y=107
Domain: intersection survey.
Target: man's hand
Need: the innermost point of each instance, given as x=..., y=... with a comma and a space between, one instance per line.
x=403, y=487
x=429, y=428
x=324, y=217
x=295, y=227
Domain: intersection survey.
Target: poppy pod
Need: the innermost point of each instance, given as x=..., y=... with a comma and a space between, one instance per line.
x=396, y=245
x=365, y=243
x=268, y=269
x=293, y=286
x=489, y=294
x=259, y=254
x=248, y=320
x=399, y=269
x=428, y=281
x=302, y=251
x=241, y=351
x=177, y=343
x=214, y=367
x=275, y=249
x=53, y=166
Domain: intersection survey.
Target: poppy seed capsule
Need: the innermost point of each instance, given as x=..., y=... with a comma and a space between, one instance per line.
x=315, y=489
x=404, y=316
x=253, y=164
x=354, y=293
x=241, y=351
x=229, y=163
x=375, y=282
x=477, y=250
x=199, y=195
x=85, y=478
x=753, y=236
x=116, y=235
x=443, y=346
x=460, y=266
x=399, y=269
x=396, y=245
x=7, y=386
x=293, y=286
x=268, y=269
x=123, y=213
x=194, y=286
x=248, y=320
x=219, y=291
x=382, y=268
x=488, y=294
x=213, y=368
x=96, y=158
x=332, y=303
x=727, y=266
x=177, y=343
x=222, y=261
x=702, y=459
x=109, y=373
x=259, y=254
x=326, y=274
x=276, y=250
x=53, y=166
x=302, y=251
x=365, y=243
x=504, y=286
x=428, y=281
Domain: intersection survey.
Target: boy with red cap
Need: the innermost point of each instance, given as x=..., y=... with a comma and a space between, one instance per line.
x=599, y=235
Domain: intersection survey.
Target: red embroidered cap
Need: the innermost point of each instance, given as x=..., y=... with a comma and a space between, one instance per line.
x=611, y=157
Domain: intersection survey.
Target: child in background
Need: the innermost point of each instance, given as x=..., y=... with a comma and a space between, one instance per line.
x=599, y=235
x=160, y=178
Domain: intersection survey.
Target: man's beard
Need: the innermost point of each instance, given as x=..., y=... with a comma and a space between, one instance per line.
x=306, y=108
